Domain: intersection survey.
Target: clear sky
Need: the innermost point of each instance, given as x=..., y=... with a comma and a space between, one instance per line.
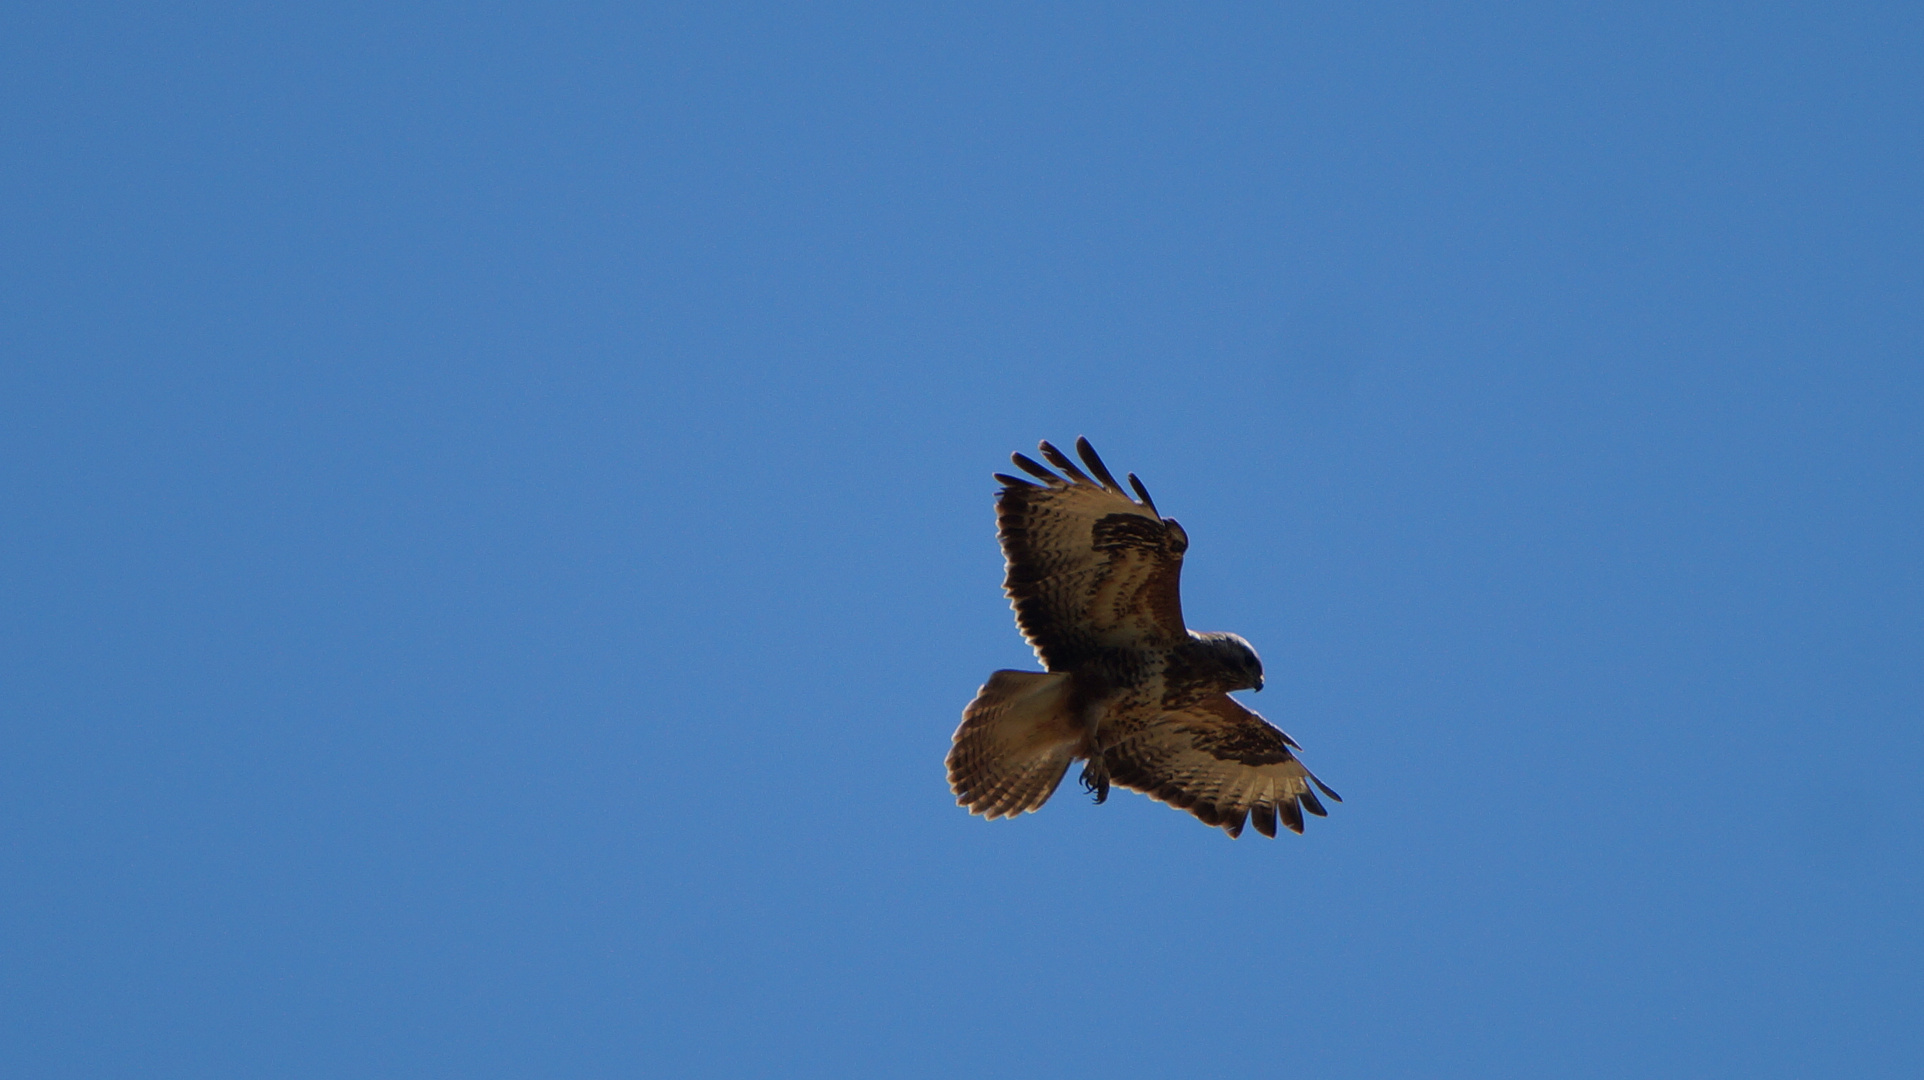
x=498, y=534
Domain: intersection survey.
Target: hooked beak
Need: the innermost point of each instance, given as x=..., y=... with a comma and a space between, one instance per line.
x=1259, y=684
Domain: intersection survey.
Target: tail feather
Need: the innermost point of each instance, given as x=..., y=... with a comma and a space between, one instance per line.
x=1016, y=740
x=1026, y=788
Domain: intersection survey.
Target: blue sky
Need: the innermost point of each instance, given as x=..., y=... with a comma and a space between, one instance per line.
x=499, y=535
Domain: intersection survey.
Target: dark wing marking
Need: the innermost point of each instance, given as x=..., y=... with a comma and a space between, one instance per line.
x=1088, y=568
x=1217, y=760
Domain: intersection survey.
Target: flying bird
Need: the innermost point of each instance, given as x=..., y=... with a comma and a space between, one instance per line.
x=1129, y=689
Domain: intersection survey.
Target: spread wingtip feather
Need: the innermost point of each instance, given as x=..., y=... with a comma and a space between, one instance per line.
x=1061, y=461
x=1311, y=803
x=1089, y=458
x=1143, y=494
x=1263, y=816
x=1290, y=815
x=1033, y=468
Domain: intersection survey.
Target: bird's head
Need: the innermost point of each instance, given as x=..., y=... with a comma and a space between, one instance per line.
x=1239, y=661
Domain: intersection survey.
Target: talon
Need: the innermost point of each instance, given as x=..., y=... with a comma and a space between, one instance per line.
x=1095, y=779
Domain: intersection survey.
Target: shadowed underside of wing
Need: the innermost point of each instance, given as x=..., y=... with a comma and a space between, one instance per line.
x=1217, y=760
x=1088, y=567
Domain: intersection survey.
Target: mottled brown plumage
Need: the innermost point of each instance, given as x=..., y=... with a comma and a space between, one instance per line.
x=1094, y=577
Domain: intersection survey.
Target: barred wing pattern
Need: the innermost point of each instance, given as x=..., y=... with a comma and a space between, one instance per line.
x=1217, y=760
x=1089, y=568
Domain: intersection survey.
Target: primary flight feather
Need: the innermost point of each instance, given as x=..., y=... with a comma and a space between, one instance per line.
x=1093, y=575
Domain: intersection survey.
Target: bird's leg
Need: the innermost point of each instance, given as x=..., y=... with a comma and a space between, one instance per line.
x=1095, y=774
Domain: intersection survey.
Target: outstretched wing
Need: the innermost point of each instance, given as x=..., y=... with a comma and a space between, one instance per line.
x=1088, y=567
x=1217, y=760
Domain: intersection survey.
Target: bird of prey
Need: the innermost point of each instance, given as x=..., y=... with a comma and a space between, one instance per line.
x=1130, y=690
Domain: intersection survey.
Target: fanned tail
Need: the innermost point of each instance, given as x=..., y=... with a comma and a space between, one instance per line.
x=1015, y=741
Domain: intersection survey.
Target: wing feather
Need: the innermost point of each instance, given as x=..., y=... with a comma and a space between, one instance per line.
x=1029, y=465
x=1088, y=568
x=1142, y=493
x=1311, y=803
x=1215, y=759
x=1061, y=461
x=1088, y=455
x=1263, y=816
x=1290, y=815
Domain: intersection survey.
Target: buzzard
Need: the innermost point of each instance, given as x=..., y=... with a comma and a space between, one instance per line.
x=1144, y=700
